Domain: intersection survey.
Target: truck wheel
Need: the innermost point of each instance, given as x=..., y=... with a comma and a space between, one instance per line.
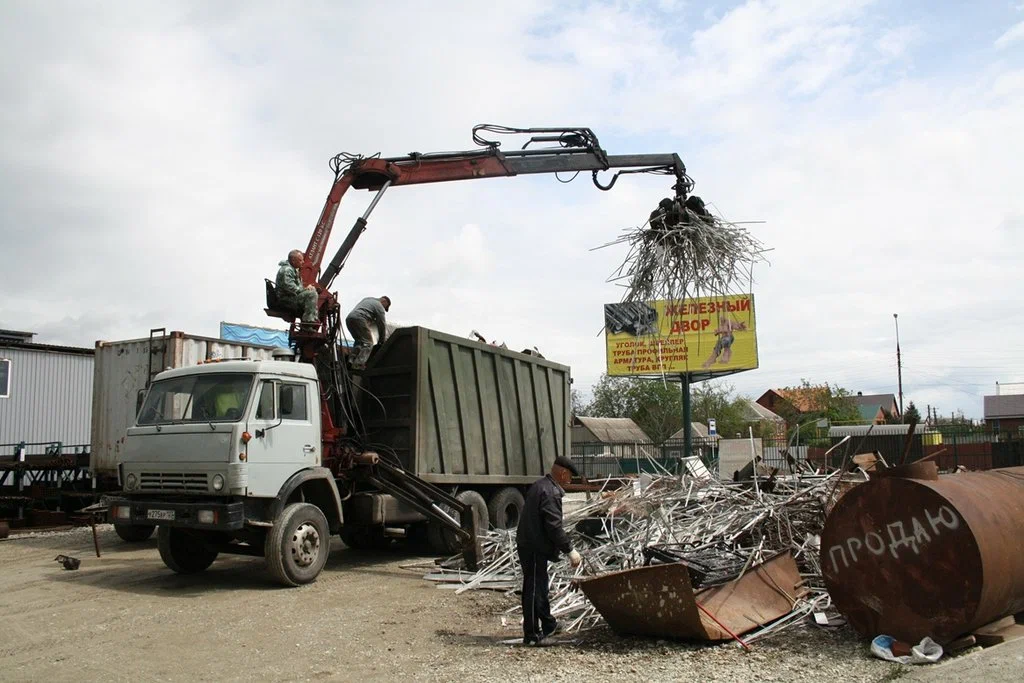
x=131, y=533
x=298, y=544
x=505, y=508
x=183, y=551
x=446, y=542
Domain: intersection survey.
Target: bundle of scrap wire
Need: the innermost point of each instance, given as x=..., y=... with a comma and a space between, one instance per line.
x=722, y=527
x=684, y=251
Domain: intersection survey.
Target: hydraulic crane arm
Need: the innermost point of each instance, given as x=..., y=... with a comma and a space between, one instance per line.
x=567, y=150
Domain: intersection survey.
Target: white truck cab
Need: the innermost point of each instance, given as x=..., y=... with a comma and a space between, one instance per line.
x=225, y=457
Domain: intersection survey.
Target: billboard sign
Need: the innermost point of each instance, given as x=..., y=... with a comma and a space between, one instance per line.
x=703, y=337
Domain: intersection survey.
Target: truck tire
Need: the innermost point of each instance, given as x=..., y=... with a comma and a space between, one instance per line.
x=446, y=542
x=505, y=508
x=183, y=551
x=134, y=533
x=298, y=544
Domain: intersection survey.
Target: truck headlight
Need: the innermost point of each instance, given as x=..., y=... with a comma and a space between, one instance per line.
x=130, y=482
x=206, y=517
x=122, y=512
x=218, y=482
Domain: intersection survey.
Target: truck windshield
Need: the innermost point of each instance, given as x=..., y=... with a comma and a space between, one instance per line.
x=197, y=398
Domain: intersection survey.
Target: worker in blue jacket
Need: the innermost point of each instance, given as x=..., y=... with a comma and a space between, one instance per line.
x=539, y=540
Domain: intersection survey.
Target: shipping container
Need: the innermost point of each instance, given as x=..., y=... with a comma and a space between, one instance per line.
x=123, y=371
x=45, y=392
x=455, y=411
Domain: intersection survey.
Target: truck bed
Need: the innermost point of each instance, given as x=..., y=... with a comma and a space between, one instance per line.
x=456, y=411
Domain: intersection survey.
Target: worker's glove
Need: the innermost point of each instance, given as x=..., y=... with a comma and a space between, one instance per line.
x=575, y=558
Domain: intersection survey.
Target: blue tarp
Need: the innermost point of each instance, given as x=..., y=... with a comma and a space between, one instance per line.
x=254, y=335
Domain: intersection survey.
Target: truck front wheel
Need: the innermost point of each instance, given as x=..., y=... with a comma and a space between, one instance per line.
x=298, y=544
x=183, y=551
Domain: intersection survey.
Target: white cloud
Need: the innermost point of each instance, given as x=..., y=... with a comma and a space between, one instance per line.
x=1010, y=36
x=157, y=162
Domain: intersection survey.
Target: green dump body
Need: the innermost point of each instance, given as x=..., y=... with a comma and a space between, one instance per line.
x=456, y=411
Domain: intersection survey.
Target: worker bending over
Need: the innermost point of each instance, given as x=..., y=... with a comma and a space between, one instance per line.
x=539, y=539
x=290, y=290
x=369, y=311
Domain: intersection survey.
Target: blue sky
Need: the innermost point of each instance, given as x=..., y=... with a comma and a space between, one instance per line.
x=158, y=159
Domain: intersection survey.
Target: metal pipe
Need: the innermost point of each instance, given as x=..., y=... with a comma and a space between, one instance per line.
x=912, y=558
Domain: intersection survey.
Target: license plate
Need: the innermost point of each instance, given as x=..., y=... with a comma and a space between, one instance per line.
x=167, y=515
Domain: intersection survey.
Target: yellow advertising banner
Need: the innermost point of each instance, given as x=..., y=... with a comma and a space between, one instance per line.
x=703, y=337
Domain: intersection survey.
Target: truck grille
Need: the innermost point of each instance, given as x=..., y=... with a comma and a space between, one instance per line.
x=173, y=481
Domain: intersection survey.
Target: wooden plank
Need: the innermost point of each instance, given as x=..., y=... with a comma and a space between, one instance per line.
x=468, y=399
x=997, y=625
x=997, y=637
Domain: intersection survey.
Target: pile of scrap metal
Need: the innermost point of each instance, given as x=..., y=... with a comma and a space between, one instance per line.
x=684, y=557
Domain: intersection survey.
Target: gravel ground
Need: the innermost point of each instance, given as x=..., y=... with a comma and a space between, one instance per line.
x=126, y=617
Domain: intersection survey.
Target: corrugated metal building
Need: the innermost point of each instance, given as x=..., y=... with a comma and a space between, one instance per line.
x=618, y=437
x=45, y=391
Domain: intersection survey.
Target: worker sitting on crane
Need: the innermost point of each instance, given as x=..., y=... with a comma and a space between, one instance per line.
x=369, y=311
x=290, y=290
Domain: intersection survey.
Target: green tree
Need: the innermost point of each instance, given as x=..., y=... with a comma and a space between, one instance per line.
x=657, y=406
x=576, y=404
x=717, y=400
x=612, y=397
x=809, y=403
x=912, y=415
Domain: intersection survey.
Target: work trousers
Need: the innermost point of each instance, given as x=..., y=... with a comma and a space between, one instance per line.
x=537, y=619
x=362, y=336
x=304, y=303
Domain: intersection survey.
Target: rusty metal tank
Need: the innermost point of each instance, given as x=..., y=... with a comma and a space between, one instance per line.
x=914, y=558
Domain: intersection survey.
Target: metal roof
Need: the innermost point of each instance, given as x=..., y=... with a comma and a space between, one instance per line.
x=876, y=430
x=755, y=412
x=613, y=429
x=883, y=400
x=1004, y=406
x=697, y=430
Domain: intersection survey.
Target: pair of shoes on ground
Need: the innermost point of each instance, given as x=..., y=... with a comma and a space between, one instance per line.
x=538, y=641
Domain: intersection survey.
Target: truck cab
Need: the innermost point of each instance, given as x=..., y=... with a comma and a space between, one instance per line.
x=226, y=457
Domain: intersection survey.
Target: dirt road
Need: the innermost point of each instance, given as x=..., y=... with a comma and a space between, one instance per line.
x=125, y=617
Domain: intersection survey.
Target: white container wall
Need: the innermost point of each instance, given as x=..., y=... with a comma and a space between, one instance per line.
x=46, y=396
x=124, y=368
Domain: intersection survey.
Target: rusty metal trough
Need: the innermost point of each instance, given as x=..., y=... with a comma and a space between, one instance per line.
x=659, y=600
x=913, y=558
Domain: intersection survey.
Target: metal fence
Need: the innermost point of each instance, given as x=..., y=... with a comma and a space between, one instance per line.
x=42, y=476
x=598, y=460
x=973, y=449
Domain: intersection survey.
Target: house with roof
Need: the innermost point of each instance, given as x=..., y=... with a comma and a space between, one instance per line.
x=620, y=437
x=794, y=399
x=874, y=408
x=770, y=424
x=1005, y=413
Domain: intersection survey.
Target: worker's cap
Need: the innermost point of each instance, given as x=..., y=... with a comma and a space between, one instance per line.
x=565, y=462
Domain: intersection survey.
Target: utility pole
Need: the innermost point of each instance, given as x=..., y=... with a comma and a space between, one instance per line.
x=899, y=363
